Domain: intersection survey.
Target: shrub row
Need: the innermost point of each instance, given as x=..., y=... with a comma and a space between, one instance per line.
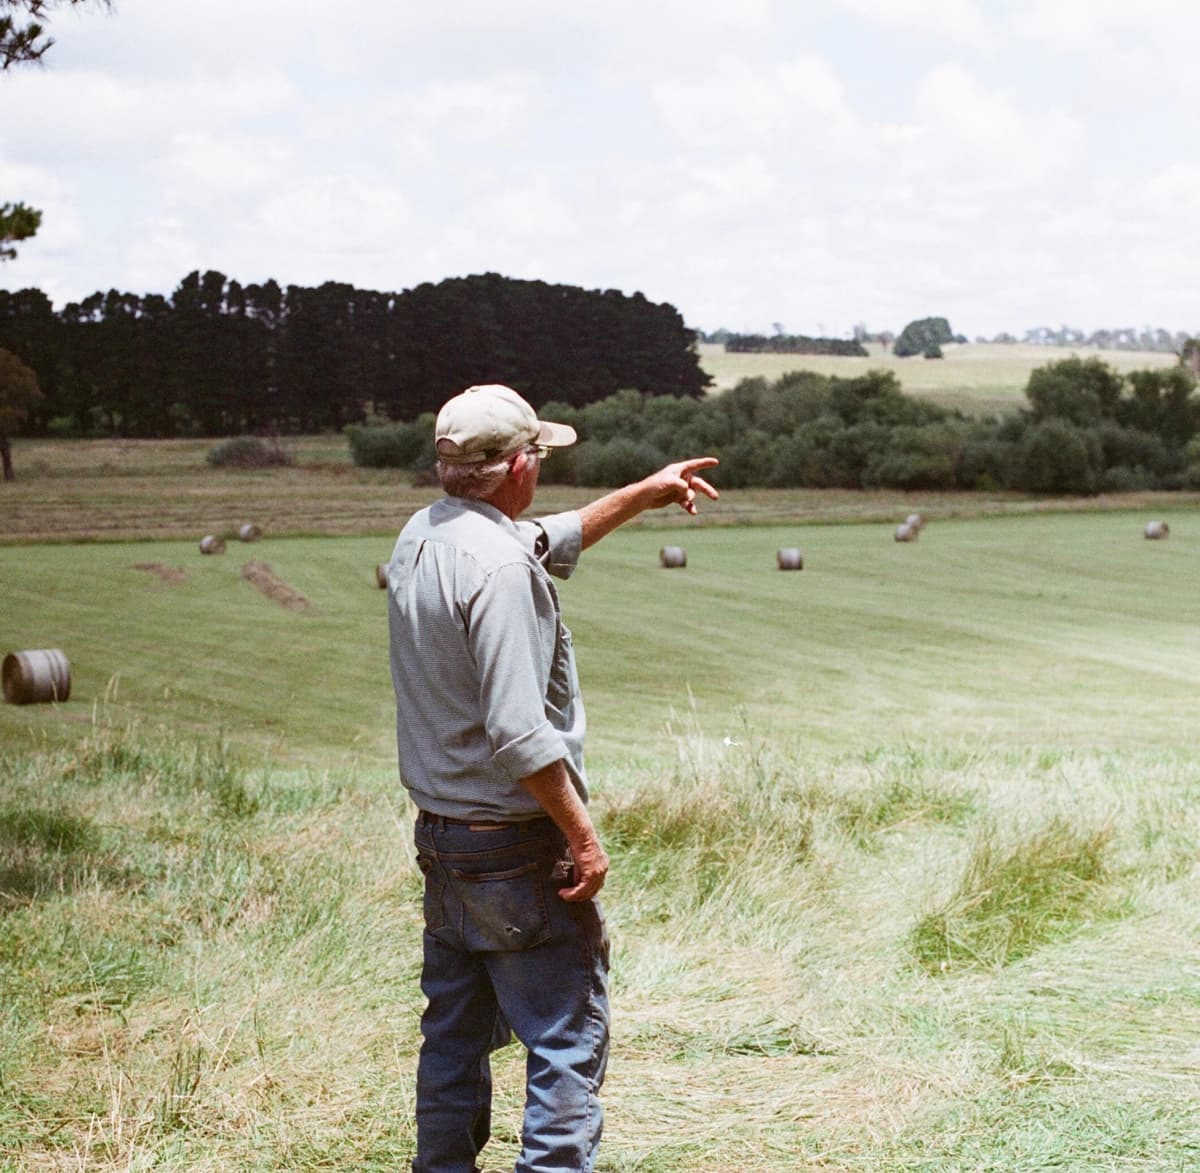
x=817, y=431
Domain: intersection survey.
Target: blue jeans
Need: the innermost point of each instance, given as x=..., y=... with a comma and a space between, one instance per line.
x=502, y=951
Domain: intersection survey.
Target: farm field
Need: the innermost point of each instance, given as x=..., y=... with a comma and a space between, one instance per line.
x=904, y=849
x=1013, y=630
x=977, y=378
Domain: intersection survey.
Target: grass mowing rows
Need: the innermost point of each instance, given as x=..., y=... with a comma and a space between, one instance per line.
x=1024, y=630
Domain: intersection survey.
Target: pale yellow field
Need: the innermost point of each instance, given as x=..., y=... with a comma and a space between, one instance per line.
x=978, y=378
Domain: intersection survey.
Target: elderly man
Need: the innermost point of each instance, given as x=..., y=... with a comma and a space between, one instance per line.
x=489, y=730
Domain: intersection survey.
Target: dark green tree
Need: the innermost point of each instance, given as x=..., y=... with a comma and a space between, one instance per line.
x=23, y=36
x=17, y=222
x=1057, y=457
x=1082, y=391
x=18, y=393
x=1161, y=401
x=922, y=335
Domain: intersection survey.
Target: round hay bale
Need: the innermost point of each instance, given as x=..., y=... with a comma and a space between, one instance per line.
x=381, y=575
x=1157, y=530
x=250, y=532
x=906, y=533
x=33, y=677
x=671, y=556
x=915, y=521
x=790, y=558
x=211, y=544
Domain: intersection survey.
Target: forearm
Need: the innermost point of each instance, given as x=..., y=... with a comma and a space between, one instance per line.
x=551, y=786
x=676, y=483
x=611, y=511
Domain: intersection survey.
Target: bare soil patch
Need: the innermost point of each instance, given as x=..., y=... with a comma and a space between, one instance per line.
x=262, y=576
x=171, y=574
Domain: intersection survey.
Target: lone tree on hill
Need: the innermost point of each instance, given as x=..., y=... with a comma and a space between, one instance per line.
x=18, y=393
x=922, y=336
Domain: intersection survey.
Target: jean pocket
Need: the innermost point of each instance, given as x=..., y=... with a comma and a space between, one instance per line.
x=435, y=892
x=504, y=910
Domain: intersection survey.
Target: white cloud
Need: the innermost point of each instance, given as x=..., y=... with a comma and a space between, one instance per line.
x=89, y=114
x=1003, y=164
x=963, y=21
x=967, y=134
x=737, y=104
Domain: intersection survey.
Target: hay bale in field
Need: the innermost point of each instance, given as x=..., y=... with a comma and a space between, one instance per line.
x=211, y=544
x=915, y=521
x=671, y=556
x=790, y=558
x=250, y=532
x=381, y=575
x=37, y=676
x=1157, y=530
x=906, y=533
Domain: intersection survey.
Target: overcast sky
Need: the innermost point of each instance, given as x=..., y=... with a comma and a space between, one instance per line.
x=752, y=162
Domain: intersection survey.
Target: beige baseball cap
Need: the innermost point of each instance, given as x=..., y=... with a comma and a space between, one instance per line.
x=490, y=421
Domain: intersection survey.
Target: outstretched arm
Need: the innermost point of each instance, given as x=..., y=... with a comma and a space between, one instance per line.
x=677, y=483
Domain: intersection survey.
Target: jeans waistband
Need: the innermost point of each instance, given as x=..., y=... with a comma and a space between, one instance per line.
x=427, y=819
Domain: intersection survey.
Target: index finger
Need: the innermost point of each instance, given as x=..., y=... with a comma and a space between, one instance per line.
x=686, y=467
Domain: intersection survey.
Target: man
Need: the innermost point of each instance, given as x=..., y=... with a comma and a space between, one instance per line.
x=489, y=729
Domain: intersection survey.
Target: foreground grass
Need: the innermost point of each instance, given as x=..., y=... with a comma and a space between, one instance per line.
x=206, y=966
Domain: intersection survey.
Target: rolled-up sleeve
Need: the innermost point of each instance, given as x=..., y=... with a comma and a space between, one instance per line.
x=556, y=541
x=513, y=626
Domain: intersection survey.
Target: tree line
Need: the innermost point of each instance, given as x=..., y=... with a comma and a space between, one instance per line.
x=221, y=358
x=1086, y=428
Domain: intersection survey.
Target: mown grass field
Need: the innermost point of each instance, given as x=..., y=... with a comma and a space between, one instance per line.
x=904, y=844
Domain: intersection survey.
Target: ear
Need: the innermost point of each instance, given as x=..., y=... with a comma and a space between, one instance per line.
x=519, y=469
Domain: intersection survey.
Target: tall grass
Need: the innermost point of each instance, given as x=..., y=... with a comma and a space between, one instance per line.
x=206, y=964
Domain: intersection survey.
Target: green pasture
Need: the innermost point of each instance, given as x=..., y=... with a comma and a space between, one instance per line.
x=903, y=853
x=1028, y=630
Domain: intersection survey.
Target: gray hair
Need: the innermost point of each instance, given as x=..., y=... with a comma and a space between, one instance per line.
x=480, y=480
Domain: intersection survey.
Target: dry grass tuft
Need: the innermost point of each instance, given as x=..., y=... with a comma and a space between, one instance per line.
x=169, y=574
x=263, y=577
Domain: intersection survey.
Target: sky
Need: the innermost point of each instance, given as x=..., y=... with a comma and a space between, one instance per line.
x=761, y=165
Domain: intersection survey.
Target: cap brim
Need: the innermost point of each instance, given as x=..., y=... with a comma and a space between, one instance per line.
x=555, y=435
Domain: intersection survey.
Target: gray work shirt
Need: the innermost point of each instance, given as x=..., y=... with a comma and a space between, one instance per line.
x=486, y=687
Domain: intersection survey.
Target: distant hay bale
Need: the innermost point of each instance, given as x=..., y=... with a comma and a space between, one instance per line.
x=906, y=533
x=381, y=575
x=915, y=521
x=1156, y=530
x=211, y=544
x=250, y=532
x=672, y=556
x=37, y=676
x=790, y=558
